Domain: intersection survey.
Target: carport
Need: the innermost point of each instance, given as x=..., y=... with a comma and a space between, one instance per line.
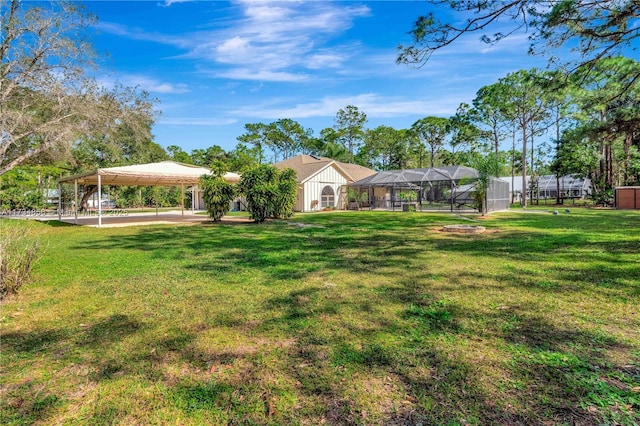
x=164, y=173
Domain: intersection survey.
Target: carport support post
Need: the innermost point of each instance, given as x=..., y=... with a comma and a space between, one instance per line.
x=182, y=198
x=75, y=200
x=59, y=201
x=99, y=200
x=155, y=188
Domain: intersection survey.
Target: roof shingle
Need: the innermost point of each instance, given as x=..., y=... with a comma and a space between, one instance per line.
x=306, y=166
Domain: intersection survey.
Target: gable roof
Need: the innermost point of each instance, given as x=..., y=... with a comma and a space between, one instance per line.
x=167, y=173
x=356, y=171
x=307, y=166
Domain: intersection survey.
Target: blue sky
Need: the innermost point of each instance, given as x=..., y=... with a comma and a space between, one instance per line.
x=216, y=66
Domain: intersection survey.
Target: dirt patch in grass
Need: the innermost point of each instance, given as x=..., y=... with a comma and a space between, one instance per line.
x=484, y=231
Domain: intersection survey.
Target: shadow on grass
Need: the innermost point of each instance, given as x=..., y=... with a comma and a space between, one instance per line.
x=390, y=353
x=365, y=243
x=553, y=368
x=61, y=343
x=94, y=347
x=54, y=223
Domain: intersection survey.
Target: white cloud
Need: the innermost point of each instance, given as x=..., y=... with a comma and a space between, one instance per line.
x=261, y=75
x=233, y=45
x=168, y=3
x=140, y=34
x=168, y=88
x=513, y=43
x=263, y=12
x=114, y=28
x=196, y=121
x=153, y=85
x=275, y=39
x=144, y=82
x=284, y=39
x=470, y=44
x=374, y=105
x=325, y=59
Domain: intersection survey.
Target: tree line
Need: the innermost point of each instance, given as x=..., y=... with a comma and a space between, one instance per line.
x=578, y=118
x=535, y=122
x=602, y=139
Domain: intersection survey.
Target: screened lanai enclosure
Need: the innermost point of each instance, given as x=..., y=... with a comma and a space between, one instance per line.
x=570, y=186
x=449, y=188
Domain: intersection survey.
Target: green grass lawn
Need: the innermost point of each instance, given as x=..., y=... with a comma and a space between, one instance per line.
x=339, y=318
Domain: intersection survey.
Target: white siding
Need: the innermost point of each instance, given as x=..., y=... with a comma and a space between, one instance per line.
x=312, y=189
x=199, y=199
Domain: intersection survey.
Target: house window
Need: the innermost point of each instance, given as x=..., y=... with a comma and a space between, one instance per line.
x=328, y=198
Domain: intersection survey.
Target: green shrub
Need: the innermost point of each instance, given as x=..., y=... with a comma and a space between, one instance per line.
x=218, y=195
x=357, y=197
x=18, y=252
x=269, y=192
x=603, y=197
x=285, y=200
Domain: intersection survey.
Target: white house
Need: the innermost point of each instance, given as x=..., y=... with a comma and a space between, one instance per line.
x=322, y=182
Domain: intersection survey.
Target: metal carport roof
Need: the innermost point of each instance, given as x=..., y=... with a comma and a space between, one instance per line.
x=164, y=173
